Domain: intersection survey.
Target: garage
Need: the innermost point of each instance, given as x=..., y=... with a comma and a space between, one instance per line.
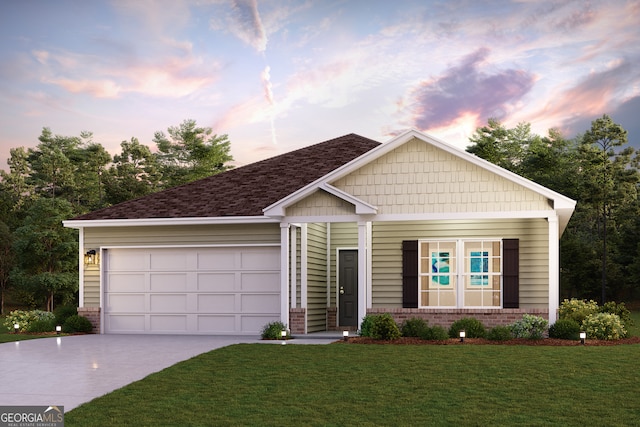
x=195, y=290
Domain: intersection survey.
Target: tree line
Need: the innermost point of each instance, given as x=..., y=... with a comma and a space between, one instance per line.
x=66, y=176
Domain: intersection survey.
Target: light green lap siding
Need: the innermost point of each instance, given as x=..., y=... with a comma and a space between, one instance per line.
x=387, y=254
x=316, y=277
x=95, y=238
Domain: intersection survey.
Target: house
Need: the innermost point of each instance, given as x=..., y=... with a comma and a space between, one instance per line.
x=321, y=236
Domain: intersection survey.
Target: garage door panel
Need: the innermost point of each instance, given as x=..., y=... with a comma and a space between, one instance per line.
x=126, y=282
x=263, y=281
x=126, y=303
x=217, y=303
x=216, y=282
x=159, y=303
x=217, y=324
x=191, y=290
x=168, y=282
x=260, y=303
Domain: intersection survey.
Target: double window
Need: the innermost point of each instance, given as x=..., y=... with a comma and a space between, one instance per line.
x=459, y=273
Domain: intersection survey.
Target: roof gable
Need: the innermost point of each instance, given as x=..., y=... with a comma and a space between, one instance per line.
x=243, y=191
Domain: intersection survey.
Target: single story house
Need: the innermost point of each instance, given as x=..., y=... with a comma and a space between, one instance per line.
x=319, y=237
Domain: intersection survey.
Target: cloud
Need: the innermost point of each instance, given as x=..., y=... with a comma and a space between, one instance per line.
x=465, y=90
x=247, y=24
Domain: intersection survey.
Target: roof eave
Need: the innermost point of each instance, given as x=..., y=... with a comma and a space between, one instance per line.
x=168, y=221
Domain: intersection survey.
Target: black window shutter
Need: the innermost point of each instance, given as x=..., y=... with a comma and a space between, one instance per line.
x=511, y=273
x=410, y=274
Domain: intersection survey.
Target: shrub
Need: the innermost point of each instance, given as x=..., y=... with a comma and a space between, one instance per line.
x=365, y=326
x=63, y=312
x=414, y=327
x=77, y=323
x=604, y=326
x=434, y=333
x=621, y=311
x=530, y=327
x=42, y=325
x=384, y=328
x=577, y=309
x=273, y=331
x=472, y=326
x=25, y=318
x=565, y=329
x=500, y=333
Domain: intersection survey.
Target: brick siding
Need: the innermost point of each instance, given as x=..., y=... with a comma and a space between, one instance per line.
x=93, y=314
x=297, y=320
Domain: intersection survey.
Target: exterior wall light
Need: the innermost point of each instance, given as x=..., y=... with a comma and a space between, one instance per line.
x=583, y=336
x=463, y=335
x=91, y=257
x=345, y=335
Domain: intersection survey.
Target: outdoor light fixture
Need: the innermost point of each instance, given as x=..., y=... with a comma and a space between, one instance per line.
x=463, y=334
x=583, y=336
x=284, y=336
x=91, y=257
x=58, y=329
x=16, y=328
x=345, y=335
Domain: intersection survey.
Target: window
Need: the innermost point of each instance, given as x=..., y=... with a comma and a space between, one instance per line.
x=459, y=273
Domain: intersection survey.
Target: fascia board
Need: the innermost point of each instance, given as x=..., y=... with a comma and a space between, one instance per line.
x=167, y=221
x=362, y=207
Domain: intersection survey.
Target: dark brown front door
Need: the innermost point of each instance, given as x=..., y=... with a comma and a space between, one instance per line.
x=348, y=288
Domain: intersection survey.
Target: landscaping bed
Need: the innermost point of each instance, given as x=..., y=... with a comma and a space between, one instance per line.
x=483, y=341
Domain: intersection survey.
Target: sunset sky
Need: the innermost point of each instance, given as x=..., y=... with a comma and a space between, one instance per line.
x=279, y=75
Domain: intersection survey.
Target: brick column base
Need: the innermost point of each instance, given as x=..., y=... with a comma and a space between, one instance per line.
x=297, y=320
x=93, y=314
x=332, y=318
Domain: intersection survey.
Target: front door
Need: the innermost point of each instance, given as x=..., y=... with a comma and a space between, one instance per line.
x=348, y=288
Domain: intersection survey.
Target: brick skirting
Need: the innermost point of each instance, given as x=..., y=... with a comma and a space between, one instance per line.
x=93, y=314
x=445, y=317
x=297, y=320
x=332, y=318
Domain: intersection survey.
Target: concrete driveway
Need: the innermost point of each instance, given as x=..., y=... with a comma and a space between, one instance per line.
x=72, y=370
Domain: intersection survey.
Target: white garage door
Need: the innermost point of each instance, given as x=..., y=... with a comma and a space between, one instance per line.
x=231, y=290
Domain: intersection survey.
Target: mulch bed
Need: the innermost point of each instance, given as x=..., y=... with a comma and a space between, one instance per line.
x=482, y=341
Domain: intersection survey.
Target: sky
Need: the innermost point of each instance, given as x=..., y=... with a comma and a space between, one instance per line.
x=277, y=75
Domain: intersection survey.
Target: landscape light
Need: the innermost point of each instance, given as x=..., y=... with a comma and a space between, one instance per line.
x=463, y=334
x=58, y=329
x=284, y=336
x=345, y=335
x=583, y=336
x=16, y=328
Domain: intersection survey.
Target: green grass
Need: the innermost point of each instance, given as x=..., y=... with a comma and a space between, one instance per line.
x=8, y=336
x=370, y=385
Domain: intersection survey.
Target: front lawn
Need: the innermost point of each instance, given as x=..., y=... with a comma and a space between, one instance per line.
x=348, y=384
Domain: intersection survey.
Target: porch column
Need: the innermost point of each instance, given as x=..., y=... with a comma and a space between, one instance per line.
x=284, y=273
x=362, y=271
x=554, y=268
x=292, y=262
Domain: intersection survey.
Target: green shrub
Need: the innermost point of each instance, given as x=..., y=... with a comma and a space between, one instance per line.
x=621, y=311
x=367, y=323
x=77, y=323
x=384, y=328
x=500, y=333
x=472, y=326
x=565, y=329
x=63, y=312
x=273, y=331
x=413, y=327
x=25, y=318
x=434, y=333
x=577, y=310
x=530, y=327
x=42, y=325
x=604, y=326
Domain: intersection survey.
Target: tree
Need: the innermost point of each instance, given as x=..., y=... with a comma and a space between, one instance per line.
x=606, y=135
x=499, y=145
x=46, y=252
x=190, y=153
x=6, y=261
x=51, y=170
x=134, y=173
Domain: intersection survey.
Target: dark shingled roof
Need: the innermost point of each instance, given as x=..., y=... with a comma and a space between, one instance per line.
x=243, y=191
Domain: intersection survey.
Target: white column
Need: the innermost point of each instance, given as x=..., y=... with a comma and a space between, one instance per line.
x=284, y=273
x=81, y=252
x=554, y=268
x=362, y=271
x=328, y=258
x=292, y=270
x=369, y=265
x=304, y=271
